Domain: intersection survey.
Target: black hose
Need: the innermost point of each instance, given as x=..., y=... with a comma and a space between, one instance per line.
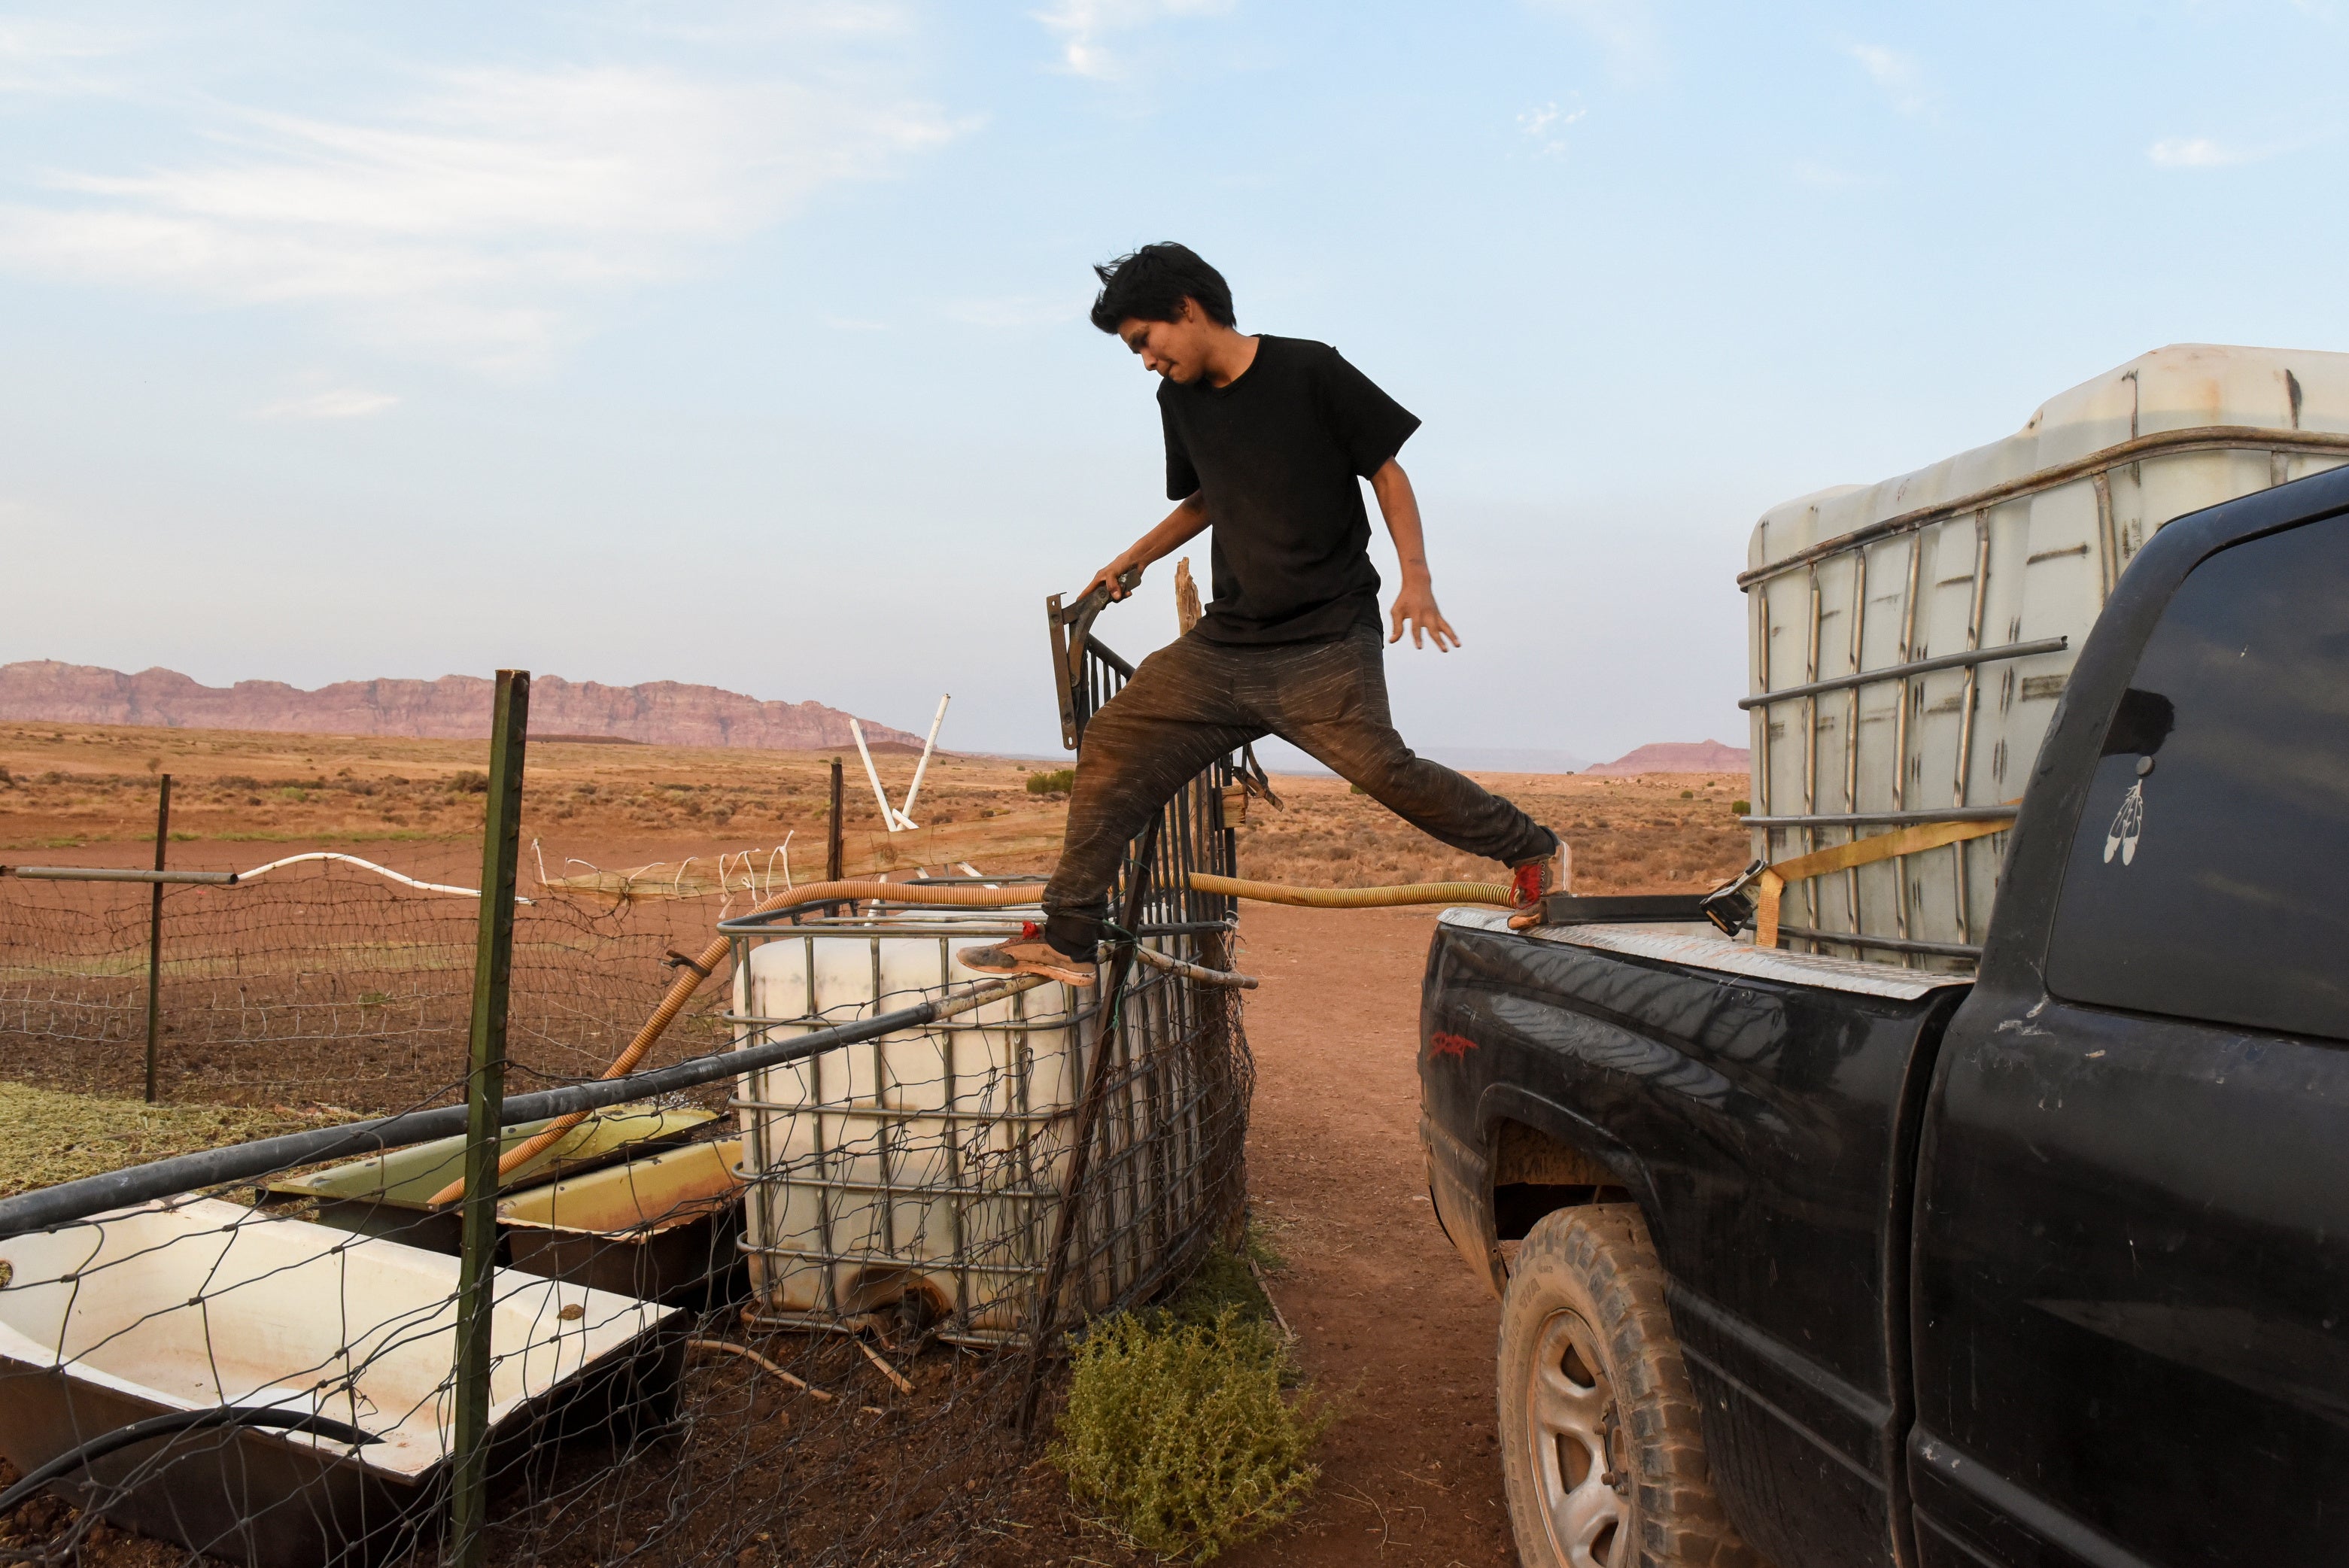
x=105, y=1443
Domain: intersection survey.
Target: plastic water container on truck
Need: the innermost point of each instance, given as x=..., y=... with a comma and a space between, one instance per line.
x=1909, y=640
x=922, y=1171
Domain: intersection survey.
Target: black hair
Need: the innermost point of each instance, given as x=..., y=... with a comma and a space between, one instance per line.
x=1151, y=284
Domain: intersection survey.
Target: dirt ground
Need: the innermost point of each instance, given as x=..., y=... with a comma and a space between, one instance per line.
x=1387, y=1314
x=1385, y=1311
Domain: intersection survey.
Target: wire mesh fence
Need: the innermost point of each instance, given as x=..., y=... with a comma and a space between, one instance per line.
x=325, y=982
x=660, y=1392
x=667, y=1385
x=790, y=1304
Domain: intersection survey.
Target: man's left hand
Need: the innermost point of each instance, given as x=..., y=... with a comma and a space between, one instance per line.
x=1414, y=607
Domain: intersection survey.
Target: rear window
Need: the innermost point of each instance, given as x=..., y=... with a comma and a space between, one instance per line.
x=2207, y=878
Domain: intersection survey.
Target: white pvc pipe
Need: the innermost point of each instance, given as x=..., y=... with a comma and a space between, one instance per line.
x=888, y=812
x=922, y=766
x=368, y=865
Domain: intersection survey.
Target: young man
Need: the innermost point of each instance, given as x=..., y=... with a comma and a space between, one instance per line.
x=1266, y=440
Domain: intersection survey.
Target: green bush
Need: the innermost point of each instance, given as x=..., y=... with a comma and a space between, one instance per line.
x=1225, y=1281
x=1739, y=808
x=1059, y=782
x=1179, y=1435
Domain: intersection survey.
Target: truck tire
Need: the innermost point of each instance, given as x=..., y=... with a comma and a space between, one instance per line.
x=1600, y=1443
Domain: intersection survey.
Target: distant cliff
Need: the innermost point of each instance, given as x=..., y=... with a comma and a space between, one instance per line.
x=1677, y=756
x=454, y=708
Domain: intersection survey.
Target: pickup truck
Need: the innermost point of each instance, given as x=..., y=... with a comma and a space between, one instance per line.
x=1819, y=1261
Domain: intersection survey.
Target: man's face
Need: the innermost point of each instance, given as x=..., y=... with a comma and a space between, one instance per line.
x=1174, y=349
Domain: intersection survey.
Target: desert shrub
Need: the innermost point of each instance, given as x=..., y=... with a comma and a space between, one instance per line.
x=469, y=782
x=1059, y=782
x=1227, y=1281
x=1179, y=1435
x=1740, y=808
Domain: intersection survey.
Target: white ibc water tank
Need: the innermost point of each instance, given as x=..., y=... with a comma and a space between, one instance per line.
x=1908, y=640
x=929, y=1163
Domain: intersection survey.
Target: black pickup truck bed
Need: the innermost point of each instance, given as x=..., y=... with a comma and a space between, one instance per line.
x=2048, y=1268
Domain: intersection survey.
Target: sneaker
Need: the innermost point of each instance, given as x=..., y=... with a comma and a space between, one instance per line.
x=1534, y=880
x=1030, y=953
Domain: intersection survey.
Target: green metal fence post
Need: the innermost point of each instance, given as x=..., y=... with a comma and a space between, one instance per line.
x=484, y=1097
x=155, y=934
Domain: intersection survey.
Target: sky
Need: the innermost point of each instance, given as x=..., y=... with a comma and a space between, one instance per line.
x=746, y=343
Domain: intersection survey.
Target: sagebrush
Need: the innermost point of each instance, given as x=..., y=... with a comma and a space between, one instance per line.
x=1179, y=1434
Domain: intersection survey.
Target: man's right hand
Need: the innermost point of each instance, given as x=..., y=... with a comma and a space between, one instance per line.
x=1120, y=577
x=1181, y=525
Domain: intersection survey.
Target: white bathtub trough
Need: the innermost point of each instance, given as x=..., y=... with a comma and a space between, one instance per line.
x=208, y=1303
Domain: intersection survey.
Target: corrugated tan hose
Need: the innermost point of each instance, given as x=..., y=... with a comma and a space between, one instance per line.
x=693, y=972
x=1352, y=897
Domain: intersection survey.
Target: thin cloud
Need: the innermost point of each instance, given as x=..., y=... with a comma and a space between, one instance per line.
x=1543, y=125
x=736, y=25
x=1827, y=177
x=480, y=222
x=1625, y=31
x=1086, y=29
x=41, y=57
x=1896, y=74
x=345, y=403
x=2201, y=153
x=1015, y=311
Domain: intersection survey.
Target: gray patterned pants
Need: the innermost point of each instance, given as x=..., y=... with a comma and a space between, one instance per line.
x=1194, y=701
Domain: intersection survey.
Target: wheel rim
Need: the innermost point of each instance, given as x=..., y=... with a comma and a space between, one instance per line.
x=1571, y=1425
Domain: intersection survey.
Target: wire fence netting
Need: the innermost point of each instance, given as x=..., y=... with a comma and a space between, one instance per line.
x=325, y=982
x=784, y=1318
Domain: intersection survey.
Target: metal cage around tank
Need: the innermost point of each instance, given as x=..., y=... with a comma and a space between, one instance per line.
x=921, y=1176
x=1909, y=641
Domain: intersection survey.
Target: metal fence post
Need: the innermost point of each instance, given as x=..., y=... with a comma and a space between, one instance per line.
x=835, y=858
x=1070, y=1218
x=484, y=1095
x=155, y=935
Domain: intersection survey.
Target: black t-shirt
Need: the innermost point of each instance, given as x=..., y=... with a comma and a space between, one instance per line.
x=1274, y=457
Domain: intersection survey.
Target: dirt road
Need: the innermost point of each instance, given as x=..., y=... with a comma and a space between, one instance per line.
x=1386, y=1313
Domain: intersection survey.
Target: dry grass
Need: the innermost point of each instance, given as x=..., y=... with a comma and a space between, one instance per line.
x=51, y=1137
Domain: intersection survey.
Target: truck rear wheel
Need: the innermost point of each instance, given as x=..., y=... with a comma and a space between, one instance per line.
x=1599, y=1442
